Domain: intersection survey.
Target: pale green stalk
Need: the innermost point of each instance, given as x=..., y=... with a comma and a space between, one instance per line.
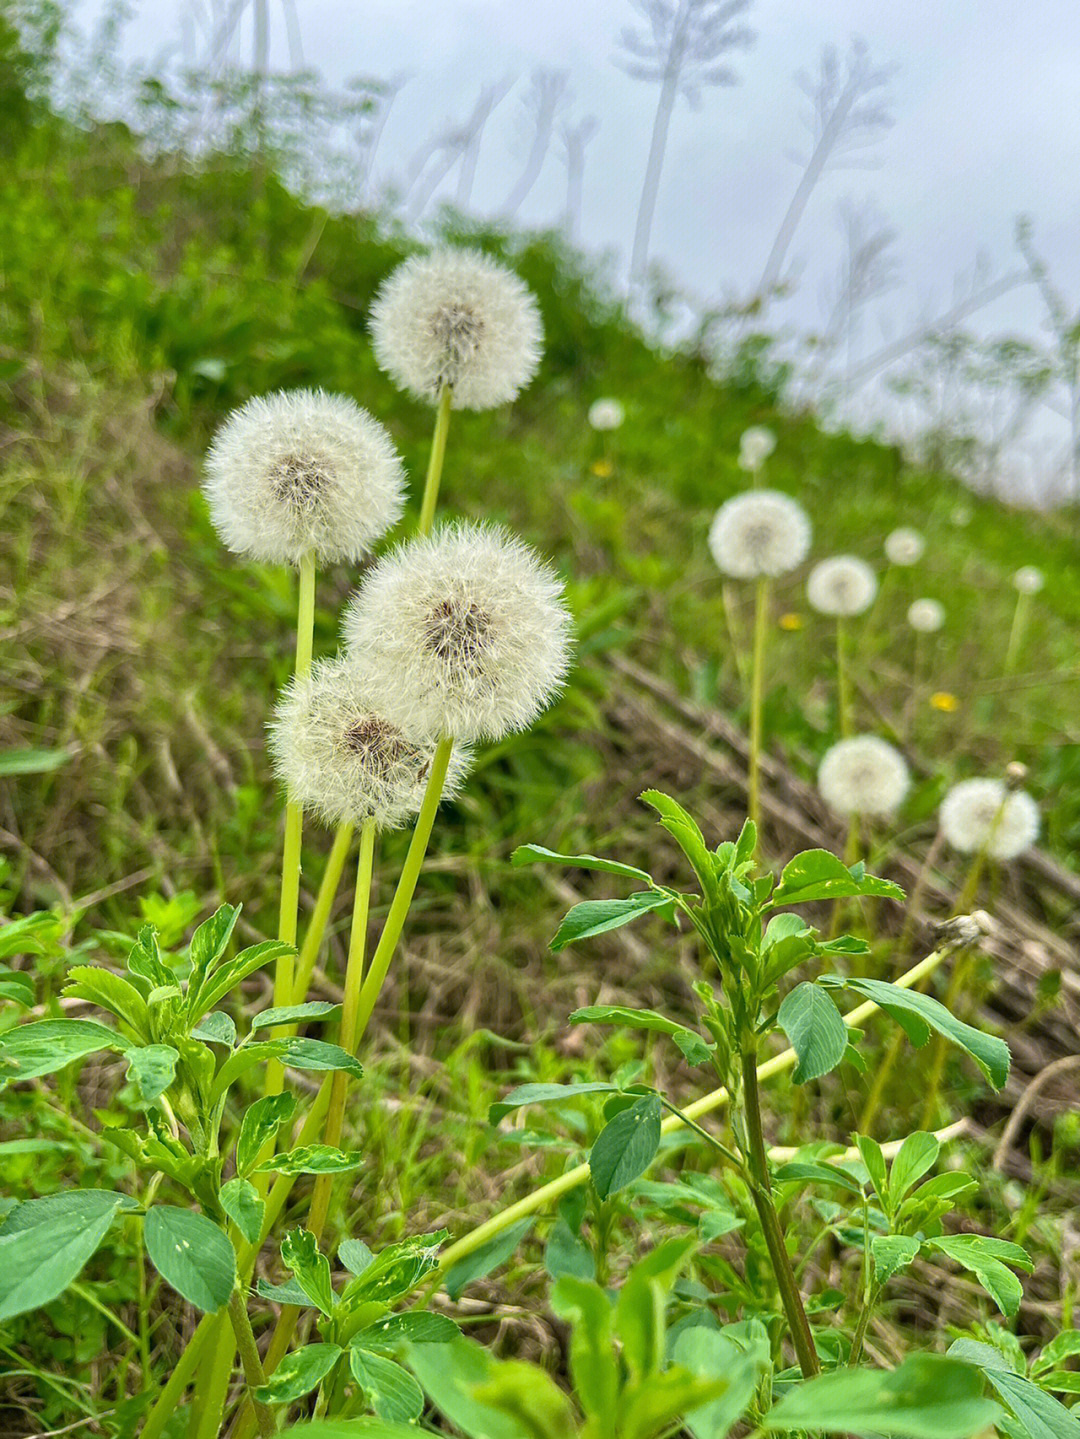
x=435, y=461
x=1016, y=632
x=757, y=682
x=843, y=688
x=320, y=915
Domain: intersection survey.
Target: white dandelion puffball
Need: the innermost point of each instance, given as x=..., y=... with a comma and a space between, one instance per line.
x=1028, y=580
x=982, y=814
x=301, y=471
x=758, y=534
x=466, y=630
x=755, y=446
x=926, y=615
x=904, y=547
x=863, y=775
x=458, y=318
x=842, y=585
x=606, y=414
x=343, y=761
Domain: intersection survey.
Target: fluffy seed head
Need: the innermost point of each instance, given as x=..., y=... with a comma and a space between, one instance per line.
x=466, y=631
x=342, y=759
x=983, y=814
x=1028, y=580
x=301, y=471
x=755, y=446
x=904, y=547
x=457, y=317
x=842, y=585
x=863, y=775
x=606, y=414
x=926, y=615
x=759, y=533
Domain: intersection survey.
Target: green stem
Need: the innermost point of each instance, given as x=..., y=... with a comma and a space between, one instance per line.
x=320, y=915
x=249, y=1358
x=761, y=1191
x=860, y=1329
x=761, y=613
x=435, y=461
x=215, y=1382
x=354, y=974
x=843, y=687
x=1016, y=632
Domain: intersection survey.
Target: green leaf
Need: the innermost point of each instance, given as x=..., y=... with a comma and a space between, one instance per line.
x=451, y=1374
x=626, y=1146
x=295, y=1052
x=1040, y=1415
x=565, y=1253
x=926, y=1397
x=1063, y=1346
x=530, y=1396
x=192, y=1254
x=711, y=1355
x=639, y=1309
x=145, y=962
x=693, y=1047
x=417, y=1327
x=241, y=1202
x=16, y=986
x=597, y=916
x=920, y=1013
x=260, y=1124
x=298, y=1373
x=312, y=1159
x=216, y=986
x=217, y=1027
x=288, y=1293
x=874, y=1158
x=986, y=1258
x=483, y=1260
x=683, y=828
x=817, y=1171
x=536, y=853
x=44, y=1251
x=592, y=1352
x=112, y=992
x=355, y=1255
x=36, y=933
x=209, y=943
x=891, y=1253
x=390, y=1390
x=816, y=875
x=544, y=1094
x=815, y=1030
x=153, y=1067
x=294, y=1013
x=31, y=761
x=43, y=1047
x=397, y=1269
x=916, y=1156
x=301, y=1253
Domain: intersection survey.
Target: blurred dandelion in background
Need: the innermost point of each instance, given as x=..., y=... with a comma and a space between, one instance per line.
x=984, y=815
x=759, y=534
x=926, y=615
x=904, y=547
x=606, y=414
x=864, y=775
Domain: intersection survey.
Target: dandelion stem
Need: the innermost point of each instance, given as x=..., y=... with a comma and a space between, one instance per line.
x=843, y=688
x=435, y=461
x=354, y=973
x=324, y=903
x=761, y=611
x=716, y=1099
x=1016, y=632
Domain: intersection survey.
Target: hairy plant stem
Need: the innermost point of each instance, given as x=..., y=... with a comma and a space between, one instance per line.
x=435, y=461
x=761, y=1192
x=354, y=975
x=294, y=822
x=249, y=1357
x=757, y=682
x=320, y=915
x=548, y=1193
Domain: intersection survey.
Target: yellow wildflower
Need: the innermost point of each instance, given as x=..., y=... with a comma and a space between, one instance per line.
x=603, y=469
x=944, y=701
x=791, y=621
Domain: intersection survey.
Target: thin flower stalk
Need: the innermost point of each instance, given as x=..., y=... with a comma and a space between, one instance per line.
x=320, y=915
x=761, y=619
x=436, y=459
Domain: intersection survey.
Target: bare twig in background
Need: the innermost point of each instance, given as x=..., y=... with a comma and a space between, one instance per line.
x=867, y=269
x=574, y=139
x=370, y=131
x=433, y=163
x=546, y=93
x=680, y=45
x=1065, y=327
x=490, y=96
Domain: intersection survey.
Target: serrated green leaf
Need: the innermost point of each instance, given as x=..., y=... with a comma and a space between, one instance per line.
x=390, y=1390
x=192, y=1254
x=144, y=959
x=816, y=874
x=216, y=986
x=42, y=1252
x=294, y=1014
x=217, y=1027
x=46, y=1045
x=312, y=1159
x=242, y=1203
x=416, y=1327
x=301, y=1253
x=298, y=1373
x=153, y=1067
x=112, y=992
x=260, y=1124
x=815, y=1031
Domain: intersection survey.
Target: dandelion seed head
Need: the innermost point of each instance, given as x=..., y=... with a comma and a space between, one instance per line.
x=864, y=775
x=904, y=547
x=759, y=533
x=342, y=760
x=467, y=632
x=926, y=615
x=301, y=471
x=1028, y=580
x=842, y=585
x=458, y=318
x=979, y=814
x=755, y=446
x=606, y=414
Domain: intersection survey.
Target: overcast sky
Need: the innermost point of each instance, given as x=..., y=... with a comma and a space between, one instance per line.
x=986, y=100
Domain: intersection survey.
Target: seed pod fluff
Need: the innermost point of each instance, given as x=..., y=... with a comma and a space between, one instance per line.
x=981, y=814
x=466, y=630
x=755, y=446
x=842, y=585
x=302, y=471
x=904, y=547
x=606, y=414
x=342, y=760
x=926, y=615
x=760, y=533
x=458, y=318
x=863, y=775
x=1028, y=580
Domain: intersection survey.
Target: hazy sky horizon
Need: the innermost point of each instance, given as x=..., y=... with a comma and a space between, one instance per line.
x=987, y=127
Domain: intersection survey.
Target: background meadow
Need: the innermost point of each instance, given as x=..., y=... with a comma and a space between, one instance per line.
x=148, y=287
